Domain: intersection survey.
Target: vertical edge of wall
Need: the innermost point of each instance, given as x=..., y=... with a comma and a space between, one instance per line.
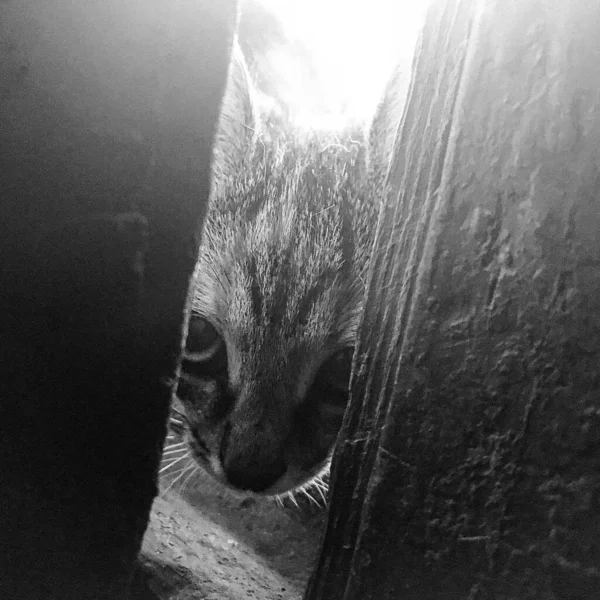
x=107, y=112
x=468, y=466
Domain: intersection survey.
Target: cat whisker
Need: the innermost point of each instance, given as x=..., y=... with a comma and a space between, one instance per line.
x=321, y=492
x=173, y=446
x=174, y=451
x=186, y=481
x=321, y=486
x=176, y=427
x=174, y=473
x=174, y=462
x=169, y=459
x=320, y=480
x=180, y=475
x=169, y=454
x=291, y=497
x=310, y=497
x=323, y=495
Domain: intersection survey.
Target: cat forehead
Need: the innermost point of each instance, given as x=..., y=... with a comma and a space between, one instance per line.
x=285, y=267
x=279, y=250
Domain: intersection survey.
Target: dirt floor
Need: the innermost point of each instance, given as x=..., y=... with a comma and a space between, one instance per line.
x=204, y=543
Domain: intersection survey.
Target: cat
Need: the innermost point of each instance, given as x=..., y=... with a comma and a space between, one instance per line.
x=276, y=301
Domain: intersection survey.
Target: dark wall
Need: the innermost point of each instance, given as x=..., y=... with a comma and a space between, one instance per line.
x=468, y=466
x=107, y=114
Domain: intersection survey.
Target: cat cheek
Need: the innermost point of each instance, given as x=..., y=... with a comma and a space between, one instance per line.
x=184, y=391
x=212, y=403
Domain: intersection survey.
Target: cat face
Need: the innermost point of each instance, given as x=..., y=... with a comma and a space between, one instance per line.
x=266, y=367
x=262, y=414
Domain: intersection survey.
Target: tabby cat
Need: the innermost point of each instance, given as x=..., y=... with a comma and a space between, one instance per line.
x=277, y=300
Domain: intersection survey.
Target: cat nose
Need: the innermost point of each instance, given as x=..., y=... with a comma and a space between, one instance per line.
x=256, y=478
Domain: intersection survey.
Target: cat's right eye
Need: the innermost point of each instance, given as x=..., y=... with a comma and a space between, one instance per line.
x=203, y=340
x=335, y=372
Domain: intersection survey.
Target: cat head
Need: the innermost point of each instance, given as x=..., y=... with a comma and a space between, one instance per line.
x=277, y=298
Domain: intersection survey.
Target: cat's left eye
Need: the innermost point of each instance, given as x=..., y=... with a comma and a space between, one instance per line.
x=203, y=340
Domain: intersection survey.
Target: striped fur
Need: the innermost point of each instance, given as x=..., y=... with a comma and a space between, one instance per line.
x=281, y=279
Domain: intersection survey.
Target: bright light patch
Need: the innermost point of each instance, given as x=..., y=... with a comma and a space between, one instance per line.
x=356, y=43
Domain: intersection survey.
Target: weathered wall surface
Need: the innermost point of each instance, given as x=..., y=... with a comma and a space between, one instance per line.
x=469, y=462
x=107, y=115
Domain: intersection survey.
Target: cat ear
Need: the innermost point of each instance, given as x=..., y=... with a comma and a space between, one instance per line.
x=237, y=128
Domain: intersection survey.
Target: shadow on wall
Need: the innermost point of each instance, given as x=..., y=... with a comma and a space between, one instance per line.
x=107, y=113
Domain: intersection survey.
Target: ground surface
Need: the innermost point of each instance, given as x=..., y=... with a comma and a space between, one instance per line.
x=203, y=543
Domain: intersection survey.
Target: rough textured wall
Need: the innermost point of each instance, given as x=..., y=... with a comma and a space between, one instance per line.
x=469, y=461
x=107, y=115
